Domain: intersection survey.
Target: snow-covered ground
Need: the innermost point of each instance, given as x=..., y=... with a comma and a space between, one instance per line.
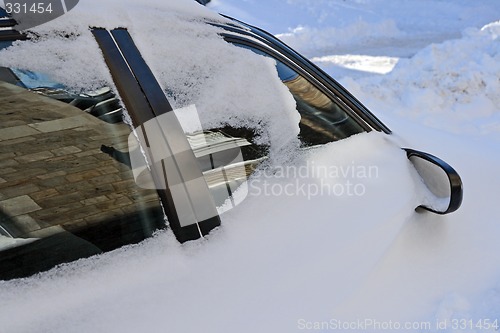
x=430, y=70
x=437, y=57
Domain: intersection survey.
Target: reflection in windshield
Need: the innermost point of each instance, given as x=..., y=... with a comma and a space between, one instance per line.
x=61, y=197
x=101, y=103
x=227, y=162
x=32, y=79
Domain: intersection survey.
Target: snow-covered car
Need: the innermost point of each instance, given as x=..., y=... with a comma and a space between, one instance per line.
x=217, y=112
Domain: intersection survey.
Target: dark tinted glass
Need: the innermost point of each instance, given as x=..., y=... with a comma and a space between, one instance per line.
x=323, y=119
x=66, y=188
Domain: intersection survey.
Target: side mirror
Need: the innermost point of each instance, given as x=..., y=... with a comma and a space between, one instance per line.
x=445, y=190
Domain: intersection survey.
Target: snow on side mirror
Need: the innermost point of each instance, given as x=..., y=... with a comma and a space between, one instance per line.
x=444, y=185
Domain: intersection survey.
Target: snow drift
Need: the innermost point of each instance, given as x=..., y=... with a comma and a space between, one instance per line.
x=452, y=86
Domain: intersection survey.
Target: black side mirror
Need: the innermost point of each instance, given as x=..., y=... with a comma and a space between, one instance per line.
x=442, y=181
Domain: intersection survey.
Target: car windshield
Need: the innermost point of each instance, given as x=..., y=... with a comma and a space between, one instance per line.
x=66, y=191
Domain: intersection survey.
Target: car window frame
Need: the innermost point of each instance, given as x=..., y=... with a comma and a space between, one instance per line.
x=301, y=72
x=240, y=30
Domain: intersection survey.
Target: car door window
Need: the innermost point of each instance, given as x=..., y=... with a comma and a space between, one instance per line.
x=228, y=156
x=323, y=119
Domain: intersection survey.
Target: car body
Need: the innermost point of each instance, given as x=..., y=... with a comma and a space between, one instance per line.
x=77, y=182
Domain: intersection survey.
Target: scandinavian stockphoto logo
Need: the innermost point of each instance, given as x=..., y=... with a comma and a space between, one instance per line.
x=311, y=179
x=30, y=13
x=160, y=159
x=155, y=156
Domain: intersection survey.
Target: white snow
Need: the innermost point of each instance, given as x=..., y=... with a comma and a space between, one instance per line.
x=203, y=63
x=364, y=63
x=455, y=87
x=282, y=261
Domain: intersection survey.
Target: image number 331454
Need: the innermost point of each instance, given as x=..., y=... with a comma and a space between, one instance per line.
x=30, y=13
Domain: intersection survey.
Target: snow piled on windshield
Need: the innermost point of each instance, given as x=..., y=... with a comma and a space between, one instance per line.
x=188, y=57
x=66, y=50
